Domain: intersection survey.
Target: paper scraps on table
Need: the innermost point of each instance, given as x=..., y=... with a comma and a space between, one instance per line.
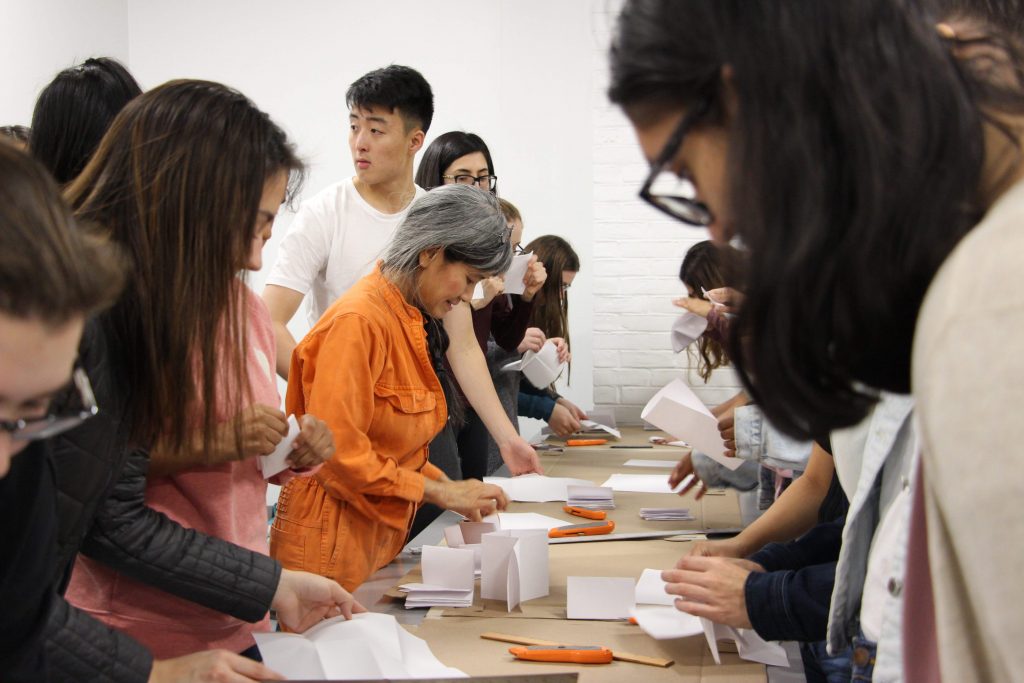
x=277, y=461
x=369, y=646
x=677, y=410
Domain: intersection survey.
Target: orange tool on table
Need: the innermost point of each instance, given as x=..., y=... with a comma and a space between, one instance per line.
x=586, y=442
x=588, y=529
x=574, y=654
x=584, y=512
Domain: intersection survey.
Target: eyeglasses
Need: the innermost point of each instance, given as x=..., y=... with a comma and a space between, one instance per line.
x=76, y=406
x=517, y=250
x=482, y=181
x=675, y=195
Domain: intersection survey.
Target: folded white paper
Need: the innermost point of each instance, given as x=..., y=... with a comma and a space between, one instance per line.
x=650, y=589
x=687, y=329
x=540, y=368
x=522, y=521
x=677, y=410
x=515, y=566
x=514, y=276
x=370, y=646
x=422, y=595
x=536, y=488
x=278, y=460
x=666, y=514
x=447, y=567
x=640, y=483
x=593, y=497
x=664, y=623
x=600, y=597
x=658, y=464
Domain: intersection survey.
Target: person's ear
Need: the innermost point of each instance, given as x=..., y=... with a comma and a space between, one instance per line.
x=416, y=141
x=428, y=255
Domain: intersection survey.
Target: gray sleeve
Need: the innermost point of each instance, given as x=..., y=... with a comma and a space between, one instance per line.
x=144, y=544
x=79, y=648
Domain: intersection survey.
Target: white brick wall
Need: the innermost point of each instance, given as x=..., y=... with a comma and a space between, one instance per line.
x=637, y=253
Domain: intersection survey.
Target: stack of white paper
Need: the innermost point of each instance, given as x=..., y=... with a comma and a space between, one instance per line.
x=600, y=597
x=536, y=488
x=677, y=410
x=370, y=646
x=448, y=575
x=666, y=514
x=515, y=566
x=593, y=497
x=641, y=483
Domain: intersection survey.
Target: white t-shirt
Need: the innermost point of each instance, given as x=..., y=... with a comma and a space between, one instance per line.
x=335, y=238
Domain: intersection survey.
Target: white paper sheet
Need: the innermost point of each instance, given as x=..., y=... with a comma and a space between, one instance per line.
x=519, y=521
x=600, y=597
x=278, y=460
x=677, y=410
x=650, y=589
x=640, y=483
x=665, y=623
x=660, y=464
x=540, y=368
x=517, y=271
x=593, y=497
x=515, y=566
x=370, y=646
x=536, y=488
x=448, y=567
x=687, y=329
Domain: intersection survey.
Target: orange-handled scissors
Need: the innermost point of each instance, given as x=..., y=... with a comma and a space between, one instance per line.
x=574, y=654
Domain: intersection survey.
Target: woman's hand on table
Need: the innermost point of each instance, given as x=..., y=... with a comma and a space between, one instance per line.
x=684, y=469
x=471, y=498
x=519, y=456
x=562, y=421
x=712, y=587
x=314, y=444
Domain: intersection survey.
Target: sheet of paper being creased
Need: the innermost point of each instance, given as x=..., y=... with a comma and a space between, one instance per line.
x=677, y=410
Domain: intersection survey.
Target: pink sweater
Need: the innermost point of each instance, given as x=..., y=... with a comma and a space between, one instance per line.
x=227, y=501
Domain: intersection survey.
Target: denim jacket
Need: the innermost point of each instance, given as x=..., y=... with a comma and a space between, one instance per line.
x=758, y=441
x=888, y=455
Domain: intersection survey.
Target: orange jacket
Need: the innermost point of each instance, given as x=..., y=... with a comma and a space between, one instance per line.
x=365, y=370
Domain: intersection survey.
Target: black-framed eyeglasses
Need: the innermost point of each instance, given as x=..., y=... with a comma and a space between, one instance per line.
x=677, y=198
x=488, y=182
x=517, y=249
x=76, y=405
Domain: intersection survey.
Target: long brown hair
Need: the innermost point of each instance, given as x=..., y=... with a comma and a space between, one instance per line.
x=708, y=266
x=551, y=305
x=177, y=181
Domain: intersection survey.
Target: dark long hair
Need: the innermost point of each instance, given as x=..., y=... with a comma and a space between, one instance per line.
x=75, y=110
x=710, y=266
x=445, y=149
x=550, y=306
x=177, y=181
x=855, y=157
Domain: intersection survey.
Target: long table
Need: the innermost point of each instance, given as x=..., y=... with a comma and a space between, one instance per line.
x=454, y=634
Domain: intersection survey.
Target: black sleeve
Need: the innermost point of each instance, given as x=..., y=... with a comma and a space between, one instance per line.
x=820, y=545
x=509, y=323
x=144, y=544
x=791, y=605
x=79, y=648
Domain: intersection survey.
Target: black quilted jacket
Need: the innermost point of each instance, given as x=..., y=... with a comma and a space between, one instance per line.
x=102, y=513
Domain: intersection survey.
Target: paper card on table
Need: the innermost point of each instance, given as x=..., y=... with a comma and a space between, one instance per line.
x=516, y=272
x=593, y=497
x=473, y=531
x=540, y=368
x=277, y=461
x=536, y=488
x=677, y=410
x=687, y=329
x=515, y=566
x=660, y=464
x=600, y=597
x=370, y=646
x=448, y=567
x=520, y=521
x=640, y=483
x=650, y=589
x=665, y=623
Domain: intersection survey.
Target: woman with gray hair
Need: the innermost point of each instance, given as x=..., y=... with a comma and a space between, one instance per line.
x=372, y=369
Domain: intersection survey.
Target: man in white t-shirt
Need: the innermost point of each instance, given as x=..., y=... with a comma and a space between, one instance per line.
x=338, y=235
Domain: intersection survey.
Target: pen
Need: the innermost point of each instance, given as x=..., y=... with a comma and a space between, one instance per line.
x=628, y=446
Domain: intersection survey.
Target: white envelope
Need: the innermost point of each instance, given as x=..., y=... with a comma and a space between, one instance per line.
x=515, y=566
x=448, y=567
x=540, y=368
x=278, y=460
x=536, y=488
x=650, y=589
x=600, y=597
x=677, y=410
x=687, y=329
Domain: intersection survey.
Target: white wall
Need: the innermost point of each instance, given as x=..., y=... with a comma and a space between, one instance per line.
x=528, y=75
x=41, y=37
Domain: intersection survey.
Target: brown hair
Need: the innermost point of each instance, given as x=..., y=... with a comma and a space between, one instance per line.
x=550, y=305
x=177, y=180
x=50, y=270
x=509, y=210
x=708, y=266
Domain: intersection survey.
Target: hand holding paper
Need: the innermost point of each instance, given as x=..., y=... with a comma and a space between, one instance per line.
x=687, y=329
x=540, y=368
x=277, y=462
x=677, y=410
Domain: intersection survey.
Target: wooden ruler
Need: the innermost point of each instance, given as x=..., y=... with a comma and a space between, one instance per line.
x=617, y=654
